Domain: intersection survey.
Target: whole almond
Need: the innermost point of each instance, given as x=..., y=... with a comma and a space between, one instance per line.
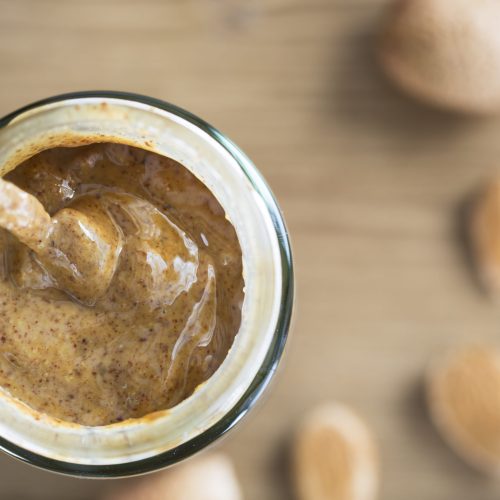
x=446, y=52
x=206, y=477
x=484, y=231
x=334, y=456
x=464, y=400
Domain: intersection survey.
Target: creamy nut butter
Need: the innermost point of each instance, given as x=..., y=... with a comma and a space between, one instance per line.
x=121, y=283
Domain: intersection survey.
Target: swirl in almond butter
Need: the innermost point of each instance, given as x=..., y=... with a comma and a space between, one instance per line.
x=121, y=283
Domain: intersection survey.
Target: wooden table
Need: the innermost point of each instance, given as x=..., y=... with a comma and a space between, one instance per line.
x=370, y=182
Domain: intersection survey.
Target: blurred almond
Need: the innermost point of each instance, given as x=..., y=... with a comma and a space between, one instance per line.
x=205, y=477
x=446, y=52
x=334, y=456
x=464, y=400
x=484, y=230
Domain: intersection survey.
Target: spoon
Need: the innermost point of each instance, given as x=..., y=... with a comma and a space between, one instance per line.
x=80, y=250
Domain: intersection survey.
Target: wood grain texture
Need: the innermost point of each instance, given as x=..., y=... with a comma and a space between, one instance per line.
x=371, y=184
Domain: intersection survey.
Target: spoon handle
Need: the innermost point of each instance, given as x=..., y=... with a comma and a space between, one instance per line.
x=23, y=215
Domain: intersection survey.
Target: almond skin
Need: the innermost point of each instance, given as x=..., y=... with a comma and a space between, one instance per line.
x=444, y=52
x=334, y=456
x=463, y=390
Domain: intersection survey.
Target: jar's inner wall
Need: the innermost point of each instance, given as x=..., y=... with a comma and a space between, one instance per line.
x=232, y=181
x=136, y=279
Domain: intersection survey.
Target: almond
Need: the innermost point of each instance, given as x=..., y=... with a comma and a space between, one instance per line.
x=484, y=231
x=445, y=52
x=464, y=400
x=206, y=477
x=334, y=456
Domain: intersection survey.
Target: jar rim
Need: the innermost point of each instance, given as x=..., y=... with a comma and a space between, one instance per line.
x=274, y=353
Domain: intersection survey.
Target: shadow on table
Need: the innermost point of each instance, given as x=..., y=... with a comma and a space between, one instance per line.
x=282, y=469
x=19, y=481
x=359, y=95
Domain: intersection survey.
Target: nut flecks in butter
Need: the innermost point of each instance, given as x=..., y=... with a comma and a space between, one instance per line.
x=154, y=319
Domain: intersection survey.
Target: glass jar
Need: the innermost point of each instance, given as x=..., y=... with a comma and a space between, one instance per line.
x=144, y=444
